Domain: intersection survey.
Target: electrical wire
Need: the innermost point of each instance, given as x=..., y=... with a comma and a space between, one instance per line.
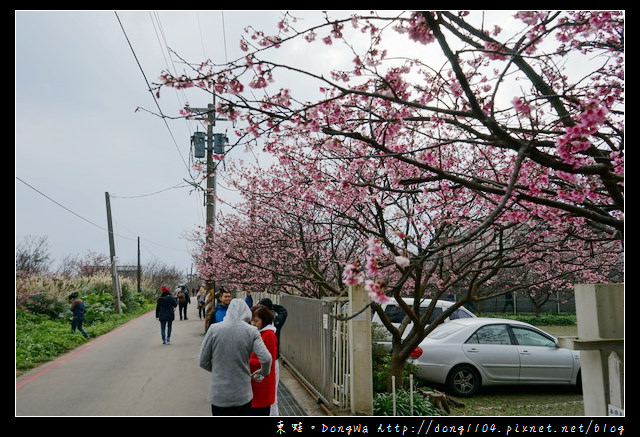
x=164, y=118
x=149, y=194
x=224, y=39
x=164, y=48
x=170, y=63
x=61, y=205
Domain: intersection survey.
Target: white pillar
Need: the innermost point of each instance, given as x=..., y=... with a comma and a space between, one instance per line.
x=600, y=317
x=360, y=349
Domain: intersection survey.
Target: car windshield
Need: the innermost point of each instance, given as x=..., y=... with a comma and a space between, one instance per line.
x=444, y=330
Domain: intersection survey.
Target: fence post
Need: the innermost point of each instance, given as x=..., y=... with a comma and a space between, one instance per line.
x=360, y=350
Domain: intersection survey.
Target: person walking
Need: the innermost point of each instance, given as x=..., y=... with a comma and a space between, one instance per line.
x=280, y=316
x=183, y=301
x=225, y=352
x=201, y=298
x=508, y=302
x=78, y=309
x=264, y=390
x=165, y=313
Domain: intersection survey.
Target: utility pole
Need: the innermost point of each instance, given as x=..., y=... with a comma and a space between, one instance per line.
x=112, y=250
x=215, y=143
x=139, y=268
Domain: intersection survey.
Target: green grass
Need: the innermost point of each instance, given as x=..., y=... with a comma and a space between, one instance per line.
x=404, y=405
x=522, y=401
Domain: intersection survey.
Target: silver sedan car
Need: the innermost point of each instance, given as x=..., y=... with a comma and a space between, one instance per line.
x=466, y=354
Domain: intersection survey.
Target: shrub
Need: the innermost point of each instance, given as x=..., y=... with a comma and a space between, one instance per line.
x=381, y=361
x=383, y=405
x=98, y=306
x=40, y=303
x=131, y=299
x=545, y=319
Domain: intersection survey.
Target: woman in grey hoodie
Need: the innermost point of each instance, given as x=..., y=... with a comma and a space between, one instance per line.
x=225, y=352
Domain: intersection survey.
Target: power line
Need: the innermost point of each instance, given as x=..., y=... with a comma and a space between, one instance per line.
x=89, y=221
x=171, y=66
x=149, y=194
x=224, y=38
x=151, y=91
x=60, y=205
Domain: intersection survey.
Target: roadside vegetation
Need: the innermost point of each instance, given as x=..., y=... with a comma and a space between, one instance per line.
x=43, y=328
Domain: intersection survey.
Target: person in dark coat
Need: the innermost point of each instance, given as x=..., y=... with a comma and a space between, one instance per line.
x=183, y=301
x=165, y=312
x=280, y=313
x=78, y=310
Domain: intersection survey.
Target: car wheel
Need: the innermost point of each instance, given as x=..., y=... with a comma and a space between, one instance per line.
x=463, y=380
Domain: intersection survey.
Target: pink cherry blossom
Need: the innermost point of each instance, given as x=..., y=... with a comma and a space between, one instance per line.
x=402, y=261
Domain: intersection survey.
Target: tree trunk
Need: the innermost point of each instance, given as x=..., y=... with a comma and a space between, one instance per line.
x=396, y=368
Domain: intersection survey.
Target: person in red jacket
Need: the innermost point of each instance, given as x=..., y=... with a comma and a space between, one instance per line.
x=264, y=387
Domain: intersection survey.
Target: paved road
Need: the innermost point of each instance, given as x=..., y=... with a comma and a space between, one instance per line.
x=127, y=372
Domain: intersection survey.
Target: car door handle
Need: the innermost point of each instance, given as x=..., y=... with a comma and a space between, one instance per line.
x=525, y=352
x=472, y=349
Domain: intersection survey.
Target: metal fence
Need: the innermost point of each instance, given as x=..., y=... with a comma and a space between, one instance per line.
x=316, y=345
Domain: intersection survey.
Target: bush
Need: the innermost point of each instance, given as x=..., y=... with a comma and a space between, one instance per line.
x=98, y=306
x=545, y=319
x=131, y=299
x=383, y=405
x=40, y=303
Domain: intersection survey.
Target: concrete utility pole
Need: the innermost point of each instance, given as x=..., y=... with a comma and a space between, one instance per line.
x=139, y=269
x=215, y=143
x=112, y=251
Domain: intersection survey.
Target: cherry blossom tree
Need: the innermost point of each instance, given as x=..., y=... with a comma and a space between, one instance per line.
x=447, y=155
x=283, y=245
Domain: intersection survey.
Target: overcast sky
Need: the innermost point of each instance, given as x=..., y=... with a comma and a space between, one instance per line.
x=79, y=77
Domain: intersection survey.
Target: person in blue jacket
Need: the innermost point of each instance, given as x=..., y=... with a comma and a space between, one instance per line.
x=224, y=298
x=165, y=312
x=78, y=309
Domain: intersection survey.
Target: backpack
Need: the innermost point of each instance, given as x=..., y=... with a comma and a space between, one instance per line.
x=181, y=296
